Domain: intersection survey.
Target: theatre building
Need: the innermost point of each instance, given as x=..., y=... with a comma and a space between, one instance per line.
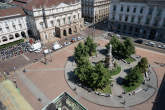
x=57, y=19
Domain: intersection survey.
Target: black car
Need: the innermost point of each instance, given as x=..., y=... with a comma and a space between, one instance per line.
x=139, y=41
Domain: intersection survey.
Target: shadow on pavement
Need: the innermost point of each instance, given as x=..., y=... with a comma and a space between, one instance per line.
x=71, y=58
x=103, y=51
x=159, y=103
x=120, y=80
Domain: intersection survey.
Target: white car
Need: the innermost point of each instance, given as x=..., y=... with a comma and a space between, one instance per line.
x=159, y=46
x=67, y=43
x=118, y=35
x=47, y=51
x=79, y=38
x=56, y=46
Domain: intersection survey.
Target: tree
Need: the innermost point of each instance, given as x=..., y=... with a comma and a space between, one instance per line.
x=133, y=77
x=117, y=47
x=102, y=72
x=114, y=42
x=143, y=65
x=129, y=47
x=83, y=72
x=80, y=51
x=91, y=46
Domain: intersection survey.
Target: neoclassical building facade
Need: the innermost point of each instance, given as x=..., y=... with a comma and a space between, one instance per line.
x=58, y=20
x=140, y=18
x=12, y=25
x=95, y=10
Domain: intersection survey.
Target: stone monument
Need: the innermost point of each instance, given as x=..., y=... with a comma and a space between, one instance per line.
x=110, y=57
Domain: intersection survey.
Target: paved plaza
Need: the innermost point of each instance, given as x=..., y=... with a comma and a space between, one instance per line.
x=146, y=91
x=50, y=81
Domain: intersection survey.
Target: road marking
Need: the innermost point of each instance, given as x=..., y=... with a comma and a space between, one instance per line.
x=26, y=57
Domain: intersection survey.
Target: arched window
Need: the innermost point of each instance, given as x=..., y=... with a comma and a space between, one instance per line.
x=11, y=37
x=64, y=33
x=70, y=31
x=4, y=38
x=17, y=35
x=23, y=34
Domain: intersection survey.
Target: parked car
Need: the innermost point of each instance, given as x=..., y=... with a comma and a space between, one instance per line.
x=159, y=46
x=56, y=46
x=151, y=44
x=79, y=38
x=139, y=41
x=47, y=51
x=67, y=43
x=118, y=35
x=73, y=39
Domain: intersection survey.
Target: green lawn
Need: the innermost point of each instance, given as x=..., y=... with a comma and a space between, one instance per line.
x=115, y=71
x=131, y=88
x=129, y=60
x=106, y=89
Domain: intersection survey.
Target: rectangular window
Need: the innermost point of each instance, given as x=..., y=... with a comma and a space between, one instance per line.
x=114, y=7
x=7, y=28
x=20, y=25
x=64, y=20
x=14, y=27
x=156, y=22
x=121, y=9
x=120, y=17
x=69, y=20
x=141, y=10
x=52, y=23
x=150, y=11
x=126, y=18
x=139, y=20
x=113, y=17
x=127, y=8
x=1, y=29
x=134, y=10
x=159, y=11
x=164, y=22
x=147, y=20
x=132, y=19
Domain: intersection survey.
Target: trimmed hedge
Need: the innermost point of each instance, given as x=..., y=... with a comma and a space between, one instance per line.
x=11, y=43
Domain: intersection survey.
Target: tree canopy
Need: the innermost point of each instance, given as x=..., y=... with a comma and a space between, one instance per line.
x=80, y=51
x=129, y=47
x=121, y=49
x=143, y=65
x=91, y=46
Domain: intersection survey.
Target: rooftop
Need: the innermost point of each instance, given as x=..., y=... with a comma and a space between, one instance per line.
x=64, y=102
x=10, y=97
x=5, y=5
x=29, y=4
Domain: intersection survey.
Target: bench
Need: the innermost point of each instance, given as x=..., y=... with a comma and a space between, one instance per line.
x=146, y=74
x=136, y=91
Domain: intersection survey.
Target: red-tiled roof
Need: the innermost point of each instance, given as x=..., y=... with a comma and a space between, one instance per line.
x=39, y=3
x=11, y=11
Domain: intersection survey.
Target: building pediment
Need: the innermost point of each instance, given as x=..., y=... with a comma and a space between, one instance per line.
x=62, y=5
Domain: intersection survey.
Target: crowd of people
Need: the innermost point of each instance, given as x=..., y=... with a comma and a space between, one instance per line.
x=14, y=50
